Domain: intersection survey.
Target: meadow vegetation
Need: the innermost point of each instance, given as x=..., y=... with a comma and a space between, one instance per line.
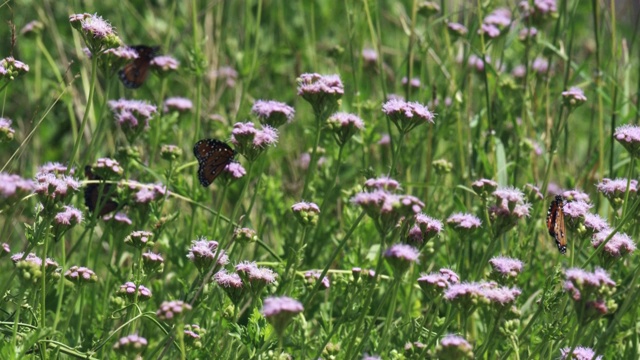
x=319, y=179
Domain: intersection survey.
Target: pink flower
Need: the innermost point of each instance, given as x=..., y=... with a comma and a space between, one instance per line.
x=506, y=266
x=407, y=115
x=178, y=104
x=273, y=113
x=464, y=221
x=164, y=63
x=619, y=245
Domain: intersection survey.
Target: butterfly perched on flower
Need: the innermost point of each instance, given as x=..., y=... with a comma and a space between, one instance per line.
x=135, y=73
x=212, y=155
x=97, y=197
x=555, y=223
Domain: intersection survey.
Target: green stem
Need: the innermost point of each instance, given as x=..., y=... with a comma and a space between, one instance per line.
x=87, y=110
x=313, y=161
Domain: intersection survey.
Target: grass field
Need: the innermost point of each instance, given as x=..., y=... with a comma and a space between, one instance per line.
x=319, y=179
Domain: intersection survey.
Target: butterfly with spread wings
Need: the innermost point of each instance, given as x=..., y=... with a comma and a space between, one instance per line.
x=212, y=155
x=135, y=73
x=555, y=223
x=97, y=197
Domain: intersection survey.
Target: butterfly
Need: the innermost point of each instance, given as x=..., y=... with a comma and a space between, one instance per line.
x=134, y=73
x=555, y=223
x=95, y=197
x=213, y=155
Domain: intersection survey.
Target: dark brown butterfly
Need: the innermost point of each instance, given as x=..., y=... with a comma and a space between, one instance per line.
x=213, y=155
x=555, y=223
x=135, y=73
x=94, y=197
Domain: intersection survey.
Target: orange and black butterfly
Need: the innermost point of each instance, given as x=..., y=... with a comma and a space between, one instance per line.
x=95, y=197
x=135, y=73
x=555, y=223
x=213, y=155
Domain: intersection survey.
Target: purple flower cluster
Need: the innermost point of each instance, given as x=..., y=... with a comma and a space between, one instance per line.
x=273, y=113
x=344, y=126
x=97, y=32
x=464, y=222
x=130, y=345
x=370, y=57
x=139, y=239
x=152, y=262
x=457, y=29
x=13, y=188
x=424, y=229
x=129, y=290
x=323, y=92
x=434, y=284
x=579, y=353
x=589, y=291
x=573, y=97
x=30, y=268
x=382, y=183
x=170, y=152
x=203, y=253
x=629, y=137
x=527, y=33
x=307, y=213
x=122, y=53
x=483, y=187
x=6, y=131
x=495, y=22
x=476, y=293
x=384, y=207
x=52, y=189
x=540, y=65
x=540, y=11
x=401, y=256
x=172, y=310
x=107, y=168
x=147, y=192
x=251, y=142
x=132, y=115
x=245, y=235
x=11, y=68
x=508, y=209
x=454, y=347
x=80, y=275
x=232, y=285
x=615, y=190
x=619, y=245
x=407, y=115
x=69, y=217
x=164, y=63
x=313, y=275
x=178, y=104
x=280, y=310
x=256, y=277
x=54, y=168
x=506, y=267
x=232, y=172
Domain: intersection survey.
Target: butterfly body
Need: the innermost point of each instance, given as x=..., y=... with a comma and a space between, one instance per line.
x=135, y=73
x=555, y=223
x=95, y=197
x=212, y=155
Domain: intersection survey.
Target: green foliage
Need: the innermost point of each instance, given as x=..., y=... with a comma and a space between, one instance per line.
x=488, y=102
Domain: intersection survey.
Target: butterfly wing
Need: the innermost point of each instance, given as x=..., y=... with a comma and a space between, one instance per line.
x=95, y=197
x=555, y=223
x=212, y=155
x=135, y=73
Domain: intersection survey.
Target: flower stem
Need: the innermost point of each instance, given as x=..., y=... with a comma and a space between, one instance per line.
x=85, y=117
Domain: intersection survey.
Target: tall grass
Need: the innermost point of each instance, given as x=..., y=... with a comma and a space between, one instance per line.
x=423, y=234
